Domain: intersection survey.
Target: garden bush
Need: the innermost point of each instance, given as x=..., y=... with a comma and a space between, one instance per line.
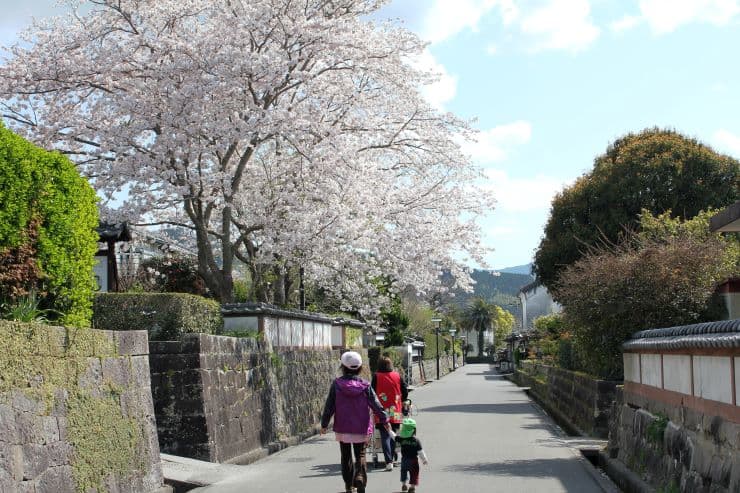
x=166, y=316
x=657, y=280
x=48, y=212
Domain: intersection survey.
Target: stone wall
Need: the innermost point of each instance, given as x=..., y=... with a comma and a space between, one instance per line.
x=76, y=411
x=229, y=399
x=427, y=371
x=675, y=448
x=581, y=400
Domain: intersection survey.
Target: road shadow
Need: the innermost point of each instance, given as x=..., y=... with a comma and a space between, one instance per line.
x=499, y=408
x=323, y=470
x=525, y=468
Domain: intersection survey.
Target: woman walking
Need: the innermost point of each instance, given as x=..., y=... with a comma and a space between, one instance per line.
x=392, y=391
x=349, y=401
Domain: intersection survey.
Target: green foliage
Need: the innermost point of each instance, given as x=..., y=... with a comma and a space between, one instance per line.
x=353, y=337
x=430, y=346
x=420, y=316
x=552, y=325
x=164, y=315
x=242, y=291
x=567, y=356
x=656, y=430
x=647, y=282
x=44, y=189
x=655, y=170
x=26, y=309
x=396, y=321
x=503, y=322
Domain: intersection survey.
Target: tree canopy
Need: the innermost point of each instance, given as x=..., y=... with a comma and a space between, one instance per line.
x=279, y=133
x=657, y=170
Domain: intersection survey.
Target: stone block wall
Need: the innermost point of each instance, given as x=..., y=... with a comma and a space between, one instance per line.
x=585, y=402
x=76, y=411
x=675, y=448
x=224, y=399
x=428, y=369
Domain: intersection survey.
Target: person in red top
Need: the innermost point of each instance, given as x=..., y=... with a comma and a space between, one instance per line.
x=391, y=391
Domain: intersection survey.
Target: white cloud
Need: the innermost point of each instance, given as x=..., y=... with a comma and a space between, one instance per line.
x=491, y=49
x=446, y=18
x=561, y=25
x=494, y=144
x=444, y=90
x=522, y=194
x=727, y=142
x=625, y=23
x=665, y=16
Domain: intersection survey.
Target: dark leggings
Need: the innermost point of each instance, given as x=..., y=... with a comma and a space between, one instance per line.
x=352, y=473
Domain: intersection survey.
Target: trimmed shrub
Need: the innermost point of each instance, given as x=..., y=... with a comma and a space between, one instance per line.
x=166, y=316
x=47, y=209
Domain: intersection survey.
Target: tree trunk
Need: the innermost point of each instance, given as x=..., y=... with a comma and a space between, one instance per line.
x=480, y=342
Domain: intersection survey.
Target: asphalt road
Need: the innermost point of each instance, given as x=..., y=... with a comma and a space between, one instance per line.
x=480, y=432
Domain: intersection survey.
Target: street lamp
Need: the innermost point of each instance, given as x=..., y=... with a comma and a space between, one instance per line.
x=437, y=321
x=464, y=339
x=452, y=333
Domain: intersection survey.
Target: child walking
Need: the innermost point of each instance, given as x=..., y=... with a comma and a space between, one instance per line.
x=349, y=401
x=410, y=452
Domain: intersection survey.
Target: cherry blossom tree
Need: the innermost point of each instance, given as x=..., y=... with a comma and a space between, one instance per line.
x=281, y=133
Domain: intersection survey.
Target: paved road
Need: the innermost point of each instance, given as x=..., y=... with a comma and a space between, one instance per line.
x=481, y=433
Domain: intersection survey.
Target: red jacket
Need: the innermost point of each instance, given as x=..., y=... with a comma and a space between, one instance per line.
x=388, y=388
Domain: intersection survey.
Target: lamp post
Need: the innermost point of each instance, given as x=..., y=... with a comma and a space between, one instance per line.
x=437, y=321
x=452, y=333
x=464, y=339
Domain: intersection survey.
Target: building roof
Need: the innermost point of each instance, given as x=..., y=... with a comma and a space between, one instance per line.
x=113, y=232
x=727, y=220
x=256, y=309
x=722, y=334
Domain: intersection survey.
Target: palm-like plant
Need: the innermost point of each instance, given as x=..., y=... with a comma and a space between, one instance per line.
x=478, y=315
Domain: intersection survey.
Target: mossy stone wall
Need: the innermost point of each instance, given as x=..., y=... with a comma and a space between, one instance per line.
x=221, y=398
x=584, y=401
x=76, y=411
x=675, y=448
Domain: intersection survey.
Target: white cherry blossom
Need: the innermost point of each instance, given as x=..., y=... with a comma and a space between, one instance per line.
x=281, y=132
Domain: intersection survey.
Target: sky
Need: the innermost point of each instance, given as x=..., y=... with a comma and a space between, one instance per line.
x=551, y=83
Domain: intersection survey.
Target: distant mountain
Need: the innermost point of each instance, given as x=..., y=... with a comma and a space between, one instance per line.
x=499, y=287
x=519, y=269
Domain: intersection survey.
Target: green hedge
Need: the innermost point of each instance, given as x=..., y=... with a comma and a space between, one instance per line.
x=45, y=187
x=374, y=353
x=166, y=316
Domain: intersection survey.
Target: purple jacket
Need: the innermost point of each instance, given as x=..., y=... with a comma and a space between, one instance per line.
x=349, y=401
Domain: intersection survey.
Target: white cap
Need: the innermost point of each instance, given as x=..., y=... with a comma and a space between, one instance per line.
x=351, y=360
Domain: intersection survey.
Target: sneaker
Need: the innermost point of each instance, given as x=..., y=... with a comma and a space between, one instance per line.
x=389, y=466
x=359, y=486
x=412, y=489
x=404, y=487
